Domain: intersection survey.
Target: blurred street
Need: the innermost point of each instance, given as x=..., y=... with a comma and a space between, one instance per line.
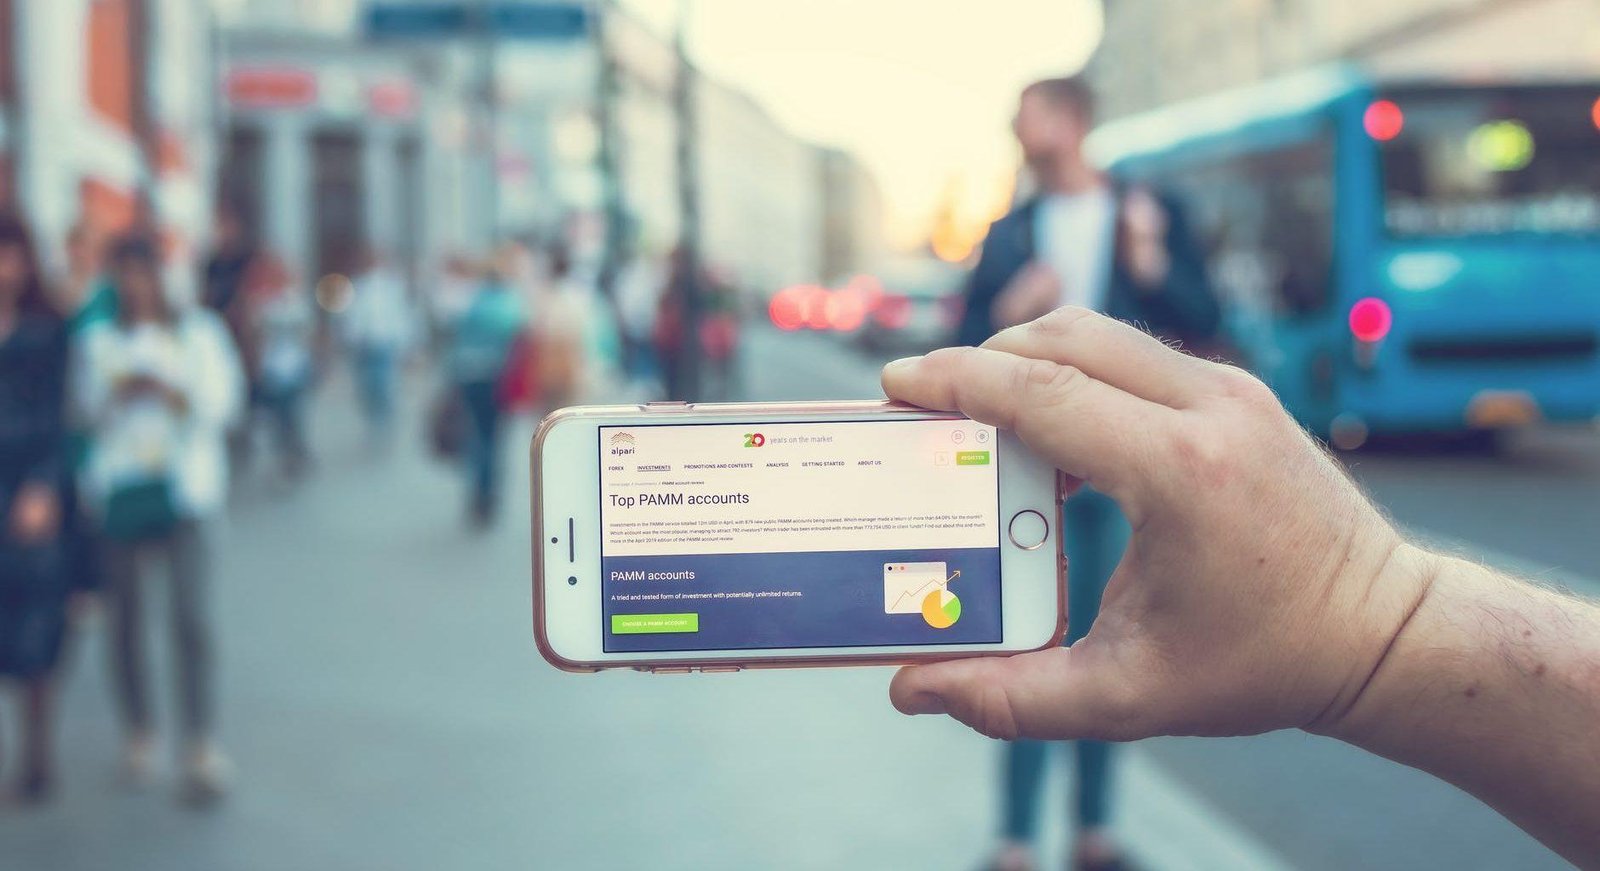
x=285, y=285
x=386, y=708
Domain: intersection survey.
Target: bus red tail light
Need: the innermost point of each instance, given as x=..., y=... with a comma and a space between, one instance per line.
x=1383, y=120
x=1370, y=320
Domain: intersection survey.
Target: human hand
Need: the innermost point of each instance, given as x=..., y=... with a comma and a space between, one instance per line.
x=1034, y=290
x=1144, y=227
x=136, y=386
x=35, y=514
x=1260, y=589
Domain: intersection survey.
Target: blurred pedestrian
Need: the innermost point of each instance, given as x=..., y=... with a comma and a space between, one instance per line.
x=480, y=351
x=458, y=283
x=34, y=576
x=234, y=273
x=284, y=328
x=1093, y=241
x=160, y=387
x=579, y=347
x=379, y=327
x=84, y=296
x=697, y=358
x=639, y=289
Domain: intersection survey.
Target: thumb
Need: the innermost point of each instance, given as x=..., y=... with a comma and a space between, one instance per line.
x=1061, y=693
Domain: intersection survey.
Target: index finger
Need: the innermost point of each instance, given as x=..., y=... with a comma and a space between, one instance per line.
x=1087, y=428
x=1111, y=351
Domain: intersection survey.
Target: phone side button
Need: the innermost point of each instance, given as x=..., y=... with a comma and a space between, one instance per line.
x=719, y=669
x=672, y=670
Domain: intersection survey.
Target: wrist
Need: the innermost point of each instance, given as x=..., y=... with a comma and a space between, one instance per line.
x=1402, y=603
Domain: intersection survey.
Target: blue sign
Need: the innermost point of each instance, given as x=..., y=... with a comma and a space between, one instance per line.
x=554, y=21
x=418, y=20
x=533, y=21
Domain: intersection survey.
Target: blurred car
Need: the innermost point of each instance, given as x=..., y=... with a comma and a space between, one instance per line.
x=913, y=307
x=917, y=307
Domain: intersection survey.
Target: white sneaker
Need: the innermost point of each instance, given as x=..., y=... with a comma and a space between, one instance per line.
x=207, y=773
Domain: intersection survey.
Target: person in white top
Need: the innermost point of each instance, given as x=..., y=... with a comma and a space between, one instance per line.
x=379, y=328
x=1087, y=240
x=158, y=388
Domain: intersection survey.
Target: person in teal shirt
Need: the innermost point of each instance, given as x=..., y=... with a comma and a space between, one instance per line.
x=479, y=352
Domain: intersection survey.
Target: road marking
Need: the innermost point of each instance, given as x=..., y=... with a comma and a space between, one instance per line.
x=1167, y=825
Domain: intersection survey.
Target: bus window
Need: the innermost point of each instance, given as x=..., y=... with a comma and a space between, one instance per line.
x=1491, y=161
x=1267, y=220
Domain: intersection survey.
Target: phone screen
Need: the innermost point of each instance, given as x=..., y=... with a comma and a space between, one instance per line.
x=785, y=535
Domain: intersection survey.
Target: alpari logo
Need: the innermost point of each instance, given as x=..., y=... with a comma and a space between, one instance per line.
x=622, y=444
x=754, y=440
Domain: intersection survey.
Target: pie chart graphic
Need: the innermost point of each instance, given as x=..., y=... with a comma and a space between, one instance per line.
x=941, y=608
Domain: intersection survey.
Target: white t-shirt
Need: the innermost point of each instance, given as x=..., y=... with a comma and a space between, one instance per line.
x=138, y=438
x=1073, y=236
x=380, y=315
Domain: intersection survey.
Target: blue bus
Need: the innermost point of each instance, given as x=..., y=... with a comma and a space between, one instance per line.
x=1395, y=256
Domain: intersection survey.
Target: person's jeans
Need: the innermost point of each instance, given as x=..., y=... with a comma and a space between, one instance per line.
x=483, y=443
x=1096, y=534
x=285, y=407
x=375, y=377
x=184, y=551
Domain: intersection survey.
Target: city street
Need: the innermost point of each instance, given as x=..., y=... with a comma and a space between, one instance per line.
x=1313, y=801
x=386, y=707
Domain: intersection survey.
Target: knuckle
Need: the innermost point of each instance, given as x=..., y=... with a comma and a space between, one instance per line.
x=1059, y=322
x=1047, y=383
x=1246, y=389
x=1204, y=452
x=948, y=358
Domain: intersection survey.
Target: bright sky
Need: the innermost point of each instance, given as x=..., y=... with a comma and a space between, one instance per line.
x=921, y=90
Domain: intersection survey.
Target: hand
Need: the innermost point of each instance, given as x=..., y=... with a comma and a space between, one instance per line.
x=136, y=386
x=1144, y=228
x=35, y=514
x=84, y=608
x=1260, y=589
x=1034, y=290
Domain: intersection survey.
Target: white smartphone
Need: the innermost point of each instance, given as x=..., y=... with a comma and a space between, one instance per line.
x=671, y=537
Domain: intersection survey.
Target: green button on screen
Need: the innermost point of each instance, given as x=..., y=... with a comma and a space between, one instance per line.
x=652, y=624
x=972, y=458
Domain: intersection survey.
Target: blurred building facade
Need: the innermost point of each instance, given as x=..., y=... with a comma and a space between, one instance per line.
x=1156, y=52
x=428, y=132
x=103, y=119
x=853, y=217
x=324, y=150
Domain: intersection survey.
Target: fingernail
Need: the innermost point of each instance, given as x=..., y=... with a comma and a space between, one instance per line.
x=925, y=703
x=900, y=366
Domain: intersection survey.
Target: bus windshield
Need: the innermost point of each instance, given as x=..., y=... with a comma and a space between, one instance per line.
x=1474, y=162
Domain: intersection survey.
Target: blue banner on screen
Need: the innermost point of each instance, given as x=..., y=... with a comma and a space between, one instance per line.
x=799, y=535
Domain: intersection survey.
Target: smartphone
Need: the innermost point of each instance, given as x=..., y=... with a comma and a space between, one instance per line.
x=672, y=537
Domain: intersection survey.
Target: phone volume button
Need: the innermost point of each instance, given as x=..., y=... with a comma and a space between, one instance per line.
x=671, y=670
x=719, y=669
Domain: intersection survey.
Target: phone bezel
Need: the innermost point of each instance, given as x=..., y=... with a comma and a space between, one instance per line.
x=566, y=484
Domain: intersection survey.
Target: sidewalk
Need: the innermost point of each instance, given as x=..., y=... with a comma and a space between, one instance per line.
x=386, y=707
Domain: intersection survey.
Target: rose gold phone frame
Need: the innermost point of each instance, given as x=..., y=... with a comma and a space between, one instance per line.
x=736, y=410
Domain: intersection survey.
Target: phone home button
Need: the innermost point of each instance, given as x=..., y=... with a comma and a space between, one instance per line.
x=1028, y=529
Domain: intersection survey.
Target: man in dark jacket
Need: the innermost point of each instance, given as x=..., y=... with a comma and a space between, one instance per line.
x=1083, y=239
